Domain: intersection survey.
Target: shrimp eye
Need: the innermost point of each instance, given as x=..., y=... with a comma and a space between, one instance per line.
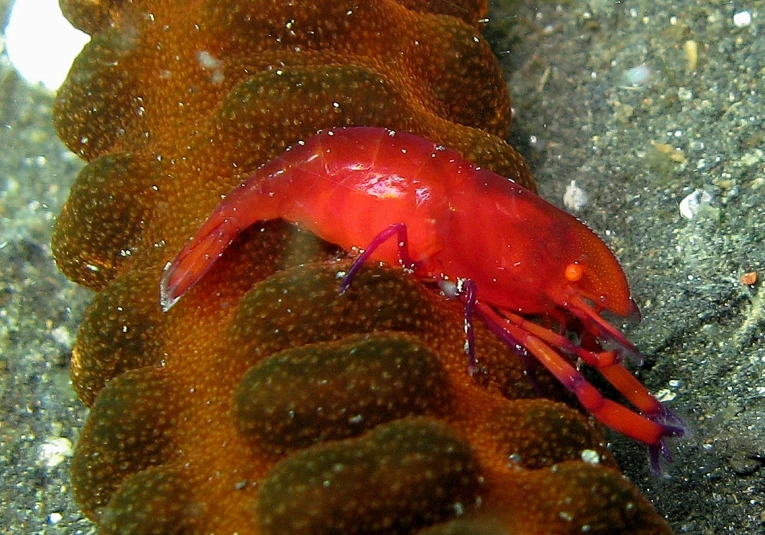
x=574, y=272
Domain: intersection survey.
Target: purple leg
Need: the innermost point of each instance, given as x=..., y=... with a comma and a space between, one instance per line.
x=494, y=323
x=465, y=291
x=397, y=229
x=469, y=290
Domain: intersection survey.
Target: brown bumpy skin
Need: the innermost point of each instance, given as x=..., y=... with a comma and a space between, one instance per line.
x=265, y=402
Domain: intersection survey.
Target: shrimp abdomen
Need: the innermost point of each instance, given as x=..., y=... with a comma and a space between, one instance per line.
x=344, y=185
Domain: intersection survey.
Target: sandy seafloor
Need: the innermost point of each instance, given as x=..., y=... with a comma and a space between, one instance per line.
x=637, y=150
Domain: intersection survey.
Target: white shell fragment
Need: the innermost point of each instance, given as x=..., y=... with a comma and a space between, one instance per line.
x=693, y=202
x=637, y=76
x=55, y=450
x=591, y=456
x=575, y=198
x=742, y=19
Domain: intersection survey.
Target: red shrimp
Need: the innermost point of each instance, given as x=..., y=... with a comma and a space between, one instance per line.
x=506, y=252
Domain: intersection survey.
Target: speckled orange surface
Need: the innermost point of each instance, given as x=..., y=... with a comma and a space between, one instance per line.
x=265, y=402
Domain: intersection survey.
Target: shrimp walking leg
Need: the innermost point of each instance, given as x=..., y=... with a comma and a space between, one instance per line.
x=398, y=230
x=466, y=290
x=643, y=427
x=470, y=291
x=608, y=364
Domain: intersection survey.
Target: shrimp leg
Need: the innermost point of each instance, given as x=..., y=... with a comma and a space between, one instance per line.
x=398, y=230
x=527, y=339
x=608, y=364
x=466, y=289
x=644, y=428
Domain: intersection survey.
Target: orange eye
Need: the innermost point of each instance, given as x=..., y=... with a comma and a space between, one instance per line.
x=574, y=272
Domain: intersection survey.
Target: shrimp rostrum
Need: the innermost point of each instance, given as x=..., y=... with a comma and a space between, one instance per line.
x=505, y=252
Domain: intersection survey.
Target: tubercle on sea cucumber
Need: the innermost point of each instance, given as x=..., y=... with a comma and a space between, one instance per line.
x=265, y=403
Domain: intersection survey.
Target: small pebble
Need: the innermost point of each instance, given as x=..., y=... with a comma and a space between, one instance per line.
x=575, y=198
x=637, y=76
x=742, y=19
x=749, y=279
x=55, y=450
x=743, y=466
x=664, y=395
x=691, y=204
x=590, y=456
